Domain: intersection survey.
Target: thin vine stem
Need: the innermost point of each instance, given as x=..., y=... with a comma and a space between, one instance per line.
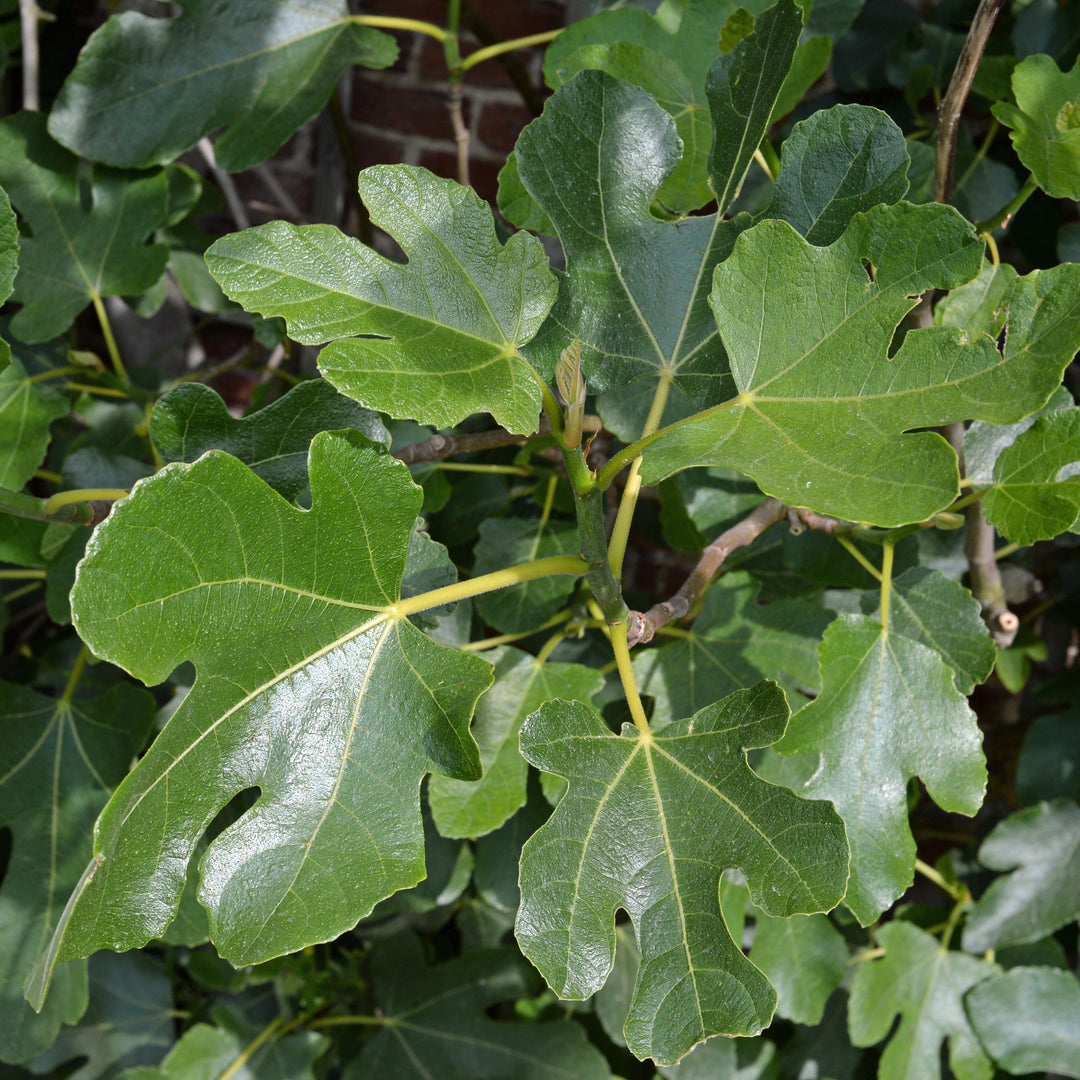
x=931, y=874
x=859, y=557
x=886, y=582
x=392, y=22
x=110, y=341
x=76, y=674
x=506, y=639
x=1002, y=217
x=491, y=51
x=626, y=677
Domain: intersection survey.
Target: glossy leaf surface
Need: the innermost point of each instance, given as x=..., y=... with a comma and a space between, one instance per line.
x=636, y=287
x=1041, y=848
x=838, y=163
x=522, y=685
x=1031, y=500
x=192, y=419
x=1029, y=1020
x=442, y=331
x=59, y=761
x=924, y=984
x=86, y=242
x=888, y=710
x=814, y=431
x=649, y=825
x=435, y=1022
x=146, y=89
x=309, y=688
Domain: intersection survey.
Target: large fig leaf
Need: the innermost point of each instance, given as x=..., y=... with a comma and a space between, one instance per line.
x=924, y=983
x=823, y=404
x=888, y=710
x=1041, y=847
x=311, y=688
x=59, y=761
x=649, y=823
x=26, y=411
x=434, y=1022
x=441, y=332
x=146, y=89
x=88, y=240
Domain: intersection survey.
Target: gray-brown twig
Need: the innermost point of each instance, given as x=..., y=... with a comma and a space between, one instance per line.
x=644, y=624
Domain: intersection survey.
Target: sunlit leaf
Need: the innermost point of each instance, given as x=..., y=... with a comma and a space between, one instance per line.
x=27, y=409
x=648, y=825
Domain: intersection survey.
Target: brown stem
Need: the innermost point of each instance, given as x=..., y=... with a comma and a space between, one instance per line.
x=644, y=625
x=443, y=446
x=985, y=577
x=952, y=105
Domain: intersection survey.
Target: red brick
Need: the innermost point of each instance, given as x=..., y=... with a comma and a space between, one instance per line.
x=373, y=150
x=409, y=110
x=500, y=125
x=484, y=175
x=433, y=11
x=519, y=19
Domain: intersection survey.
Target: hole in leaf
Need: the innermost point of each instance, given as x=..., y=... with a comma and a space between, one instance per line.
x=5, y=851
x=1002, y=339
x=232, y=812
x=868, y=266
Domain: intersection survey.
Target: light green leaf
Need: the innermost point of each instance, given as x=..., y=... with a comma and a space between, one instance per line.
x=442, y=331
x=743, y=87
x=1030, y=501
x=129, y=1021
x=191, y=419
x=205, y=1052
x=636, y=287
x=310, y=688
x=1029, y=1020
x=522, y=684
x=1041, y=846
x=942, y=615
x=836, y=164
x=89, y=234
x=734, y=643
x=26, y=411
x=726, y=1059
x=1045, y=132
x=822, y=409
x=9, y=261
x=145, y=89
x=59, y=762
x=924, y=984
x=435, y=1022
x=888, y=710
x=805, y=958
x=505, y=542
x=648, y=825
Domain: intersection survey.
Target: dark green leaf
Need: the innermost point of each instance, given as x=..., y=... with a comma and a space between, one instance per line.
x=499, y=852
x=434, y=1022
x=888, y=710
x=648, y=825
x=924, y=984
x=726, y=1059
x=1041, y=846
x=823, y=407
x=1050, y=759
x=59, y=763
x=743, y=87
x=734, y=643
x=441, y=332
x=635, y=295
x=89, y=238
x=311, y=688
x=805, y=958
x=697, y=505
x=1030, y=499
x=146, y=89
x=522, y=684
x=1029, y=1020
x=129, y=1020
x=838, y=163
x=273, y=442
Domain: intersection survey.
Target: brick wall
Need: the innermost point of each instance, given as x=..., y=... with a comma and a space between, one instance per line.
x=400, y=115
